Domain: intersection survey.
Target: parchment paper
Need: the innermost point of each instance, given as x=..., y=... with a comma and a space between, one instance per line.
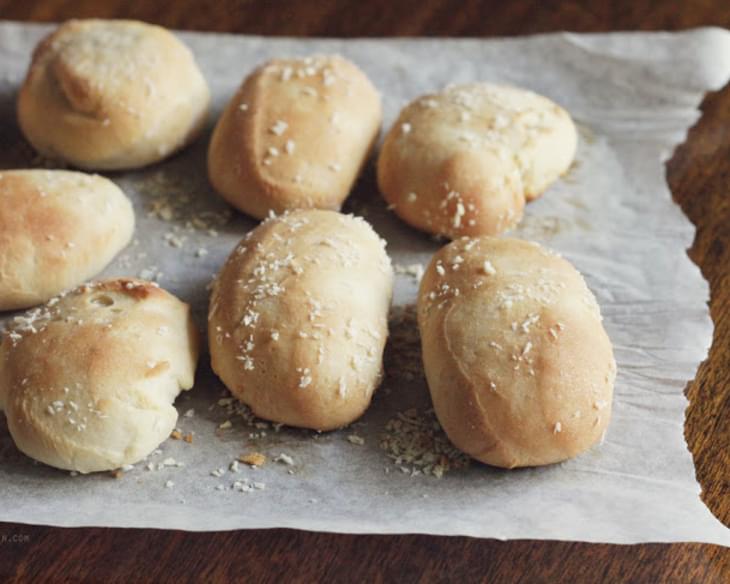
x=634, y=96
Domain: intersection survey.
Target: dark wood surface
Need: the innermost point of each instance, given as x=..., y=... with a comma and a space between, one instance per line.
x=699, y=176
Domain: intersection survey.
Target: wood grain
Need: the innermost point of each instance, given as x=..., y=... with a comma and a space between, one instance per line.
x=699, y=176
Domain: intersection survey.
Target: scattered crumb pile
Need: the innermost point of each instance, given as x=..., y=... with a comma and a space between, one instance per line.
x=414, y=442
x=402, y=360
x=170, y=199
x=417, y=445
x=236, y=409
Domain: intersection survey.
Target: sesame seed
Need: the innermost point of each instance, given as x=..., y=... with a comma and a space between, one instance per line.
x=279, y=127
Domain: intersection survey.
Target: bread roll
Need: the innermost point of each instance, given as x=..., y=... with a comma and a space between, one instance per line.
x=57, y=229
x=88, y=380
x=294, y=136
x=462, y=162
x=299, y=318
x=519, y=366
x=111, y=94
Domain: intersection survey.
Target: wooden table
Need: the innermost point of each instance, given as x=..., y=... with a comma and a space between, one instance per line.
x=699, y=176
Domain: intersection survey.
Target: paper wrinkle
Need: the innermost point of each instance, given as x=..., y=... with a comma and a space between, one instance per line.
x=634, y=95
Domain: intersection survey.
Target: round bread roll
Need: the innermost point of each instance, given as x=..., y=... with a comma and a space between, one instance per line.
x=462, y=162
x=519, y=366
x=299, y=318
x=294, y=136
x=87, y=381
x=111, y=94
x=57, y=229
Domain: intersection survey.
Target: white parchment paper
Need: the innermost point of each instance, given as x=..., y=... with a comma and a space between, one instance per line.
x=634, y=96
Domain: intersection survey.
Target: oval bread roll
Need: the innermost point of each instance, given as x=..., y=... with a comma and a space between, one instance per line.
x=519, y=366
x=57, y=229
x=87, y=381
x=111, y=94
x=299, y=318
x=294, y=136
x=462, y=162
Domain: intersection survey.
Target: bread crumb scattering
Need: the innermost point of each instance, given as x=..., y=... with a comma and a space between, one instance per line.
x=355, y=439
x=284, y=459
x=253, y=459
x=417, y=445
x=413, y=441
x=173, y=199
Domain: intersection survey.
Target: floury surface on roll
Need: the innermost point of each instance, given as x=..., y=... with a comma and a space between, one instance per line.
x=87, y=381
x=519, y=366
x=295, y=136
x=462, y=162
x=299, y=318
x=57, y=229
x=111, y=94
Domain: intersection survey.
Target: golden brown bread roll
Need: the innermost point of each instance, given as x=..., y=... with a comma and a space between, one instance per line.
x=299, y=318
x=57, y=229
x=519, y=366
x=464, y=160
x=111, y=94
x=294, y=136
x=87, y=381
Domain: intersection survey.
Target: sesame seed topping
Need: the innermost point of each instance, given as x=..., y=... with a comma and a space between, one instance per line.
x=279, y=127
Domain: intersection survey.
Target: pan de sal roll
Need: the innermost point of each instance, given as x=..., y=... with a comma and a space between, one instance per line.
x=519, y=366
x=299, y=318
x=111, y=94
x=88, y=380
x=57, y=229
x=294, y=136
x=463, y=161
